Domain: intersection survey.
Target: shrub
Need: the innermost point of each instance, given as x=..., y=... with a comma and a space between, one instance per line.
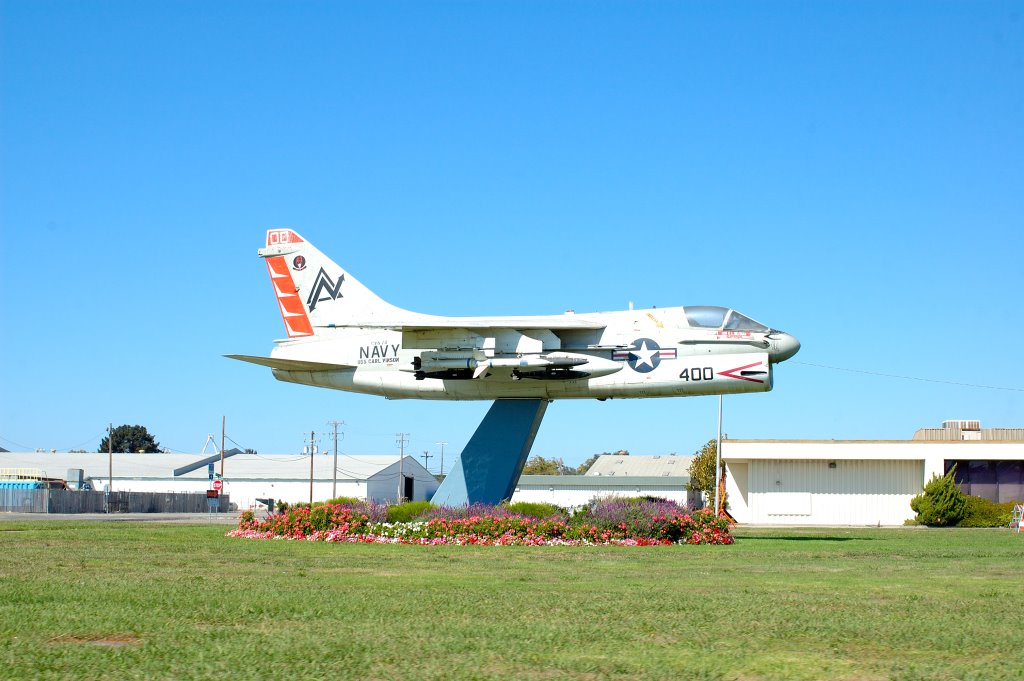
x=470, y=511
x=345, y=501
x=941, y=503
x=300, y=521
x=980, y=512
x=533, y=509
x=631, y=515
x=504, y=529
x=643, y=498
x=406, y=512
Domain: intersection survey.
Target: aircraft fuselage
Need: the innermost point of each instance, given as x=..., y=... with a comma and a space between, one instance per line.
x=635, y=353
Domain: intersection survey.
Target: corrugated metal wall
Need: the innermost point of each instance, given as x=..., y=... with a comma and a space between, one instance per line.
x=984, y=434
x=1003, y=434
x=851, y=493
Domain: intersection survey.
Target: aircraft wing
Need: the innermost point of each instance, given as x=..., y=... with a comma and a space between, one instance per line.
x=519, y=324
x=290, y=364
x=478, y=323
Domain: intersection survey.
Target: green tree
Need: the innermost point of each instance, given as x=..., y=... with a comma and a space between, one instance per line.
x=585, y=466
x=538, y=465
x=702, y=469
x=702, y=474
x=130, y=439
x=941, y=503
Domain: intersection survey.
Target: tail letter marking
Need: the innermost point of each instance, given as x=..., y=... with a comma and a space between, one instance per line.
x=324, y=288
x=282, y=236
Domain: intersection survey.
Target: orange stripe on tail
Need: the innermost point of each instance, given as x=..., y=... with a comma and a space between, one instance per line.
x=293, y=312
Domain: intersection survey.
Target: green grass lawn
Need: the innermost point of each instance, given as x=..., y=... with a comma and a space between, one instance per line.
x=85, y=600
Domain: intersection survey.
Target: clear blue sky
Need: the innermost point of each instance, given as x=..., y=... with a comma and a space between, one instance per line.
x=849, y=172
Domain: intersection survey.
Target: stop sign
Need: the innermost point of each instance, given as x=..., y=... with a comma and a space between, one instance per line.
x=218, y=484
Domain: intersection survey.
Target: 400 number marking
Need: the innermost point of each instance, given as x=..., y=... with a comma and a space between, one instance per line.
x=698, y=374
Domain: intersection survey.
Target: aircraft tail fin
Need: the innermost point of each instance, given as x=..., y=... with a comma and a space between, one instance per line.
x=313, y=291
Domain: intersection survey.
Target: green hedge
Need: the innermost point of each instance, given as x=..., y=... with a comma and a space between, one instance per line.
x=345, y=501
x=984, y=513
x=407, y=512
x=538, y=509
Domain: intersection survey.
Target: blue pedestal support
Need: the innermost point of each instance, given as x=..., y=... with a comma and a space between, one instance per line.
x=489, y=467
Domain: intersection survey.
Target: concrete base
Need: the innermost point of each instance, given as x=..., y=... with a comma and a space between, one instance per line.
x=489, y=467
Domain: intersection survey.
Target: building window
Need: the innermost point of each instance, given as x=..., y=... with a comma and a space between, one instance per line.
x=994, y=480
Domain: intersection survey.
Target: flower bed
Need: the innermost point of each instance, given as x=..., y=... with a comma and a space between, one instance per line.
x=604, y=522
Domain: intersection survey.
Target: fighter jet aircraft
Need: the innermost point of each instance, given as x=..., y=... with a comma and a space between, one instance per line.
x=342, y=336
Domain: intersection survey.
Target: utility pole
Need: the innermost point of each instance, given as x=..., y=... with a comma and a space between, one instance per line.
x=223, y=421
x=718, y=453
x=110, y=466
x=110, y=457
x=334, y=485
x=426, y=455
x=401, y=457
x=312, y=451
x=442, y=455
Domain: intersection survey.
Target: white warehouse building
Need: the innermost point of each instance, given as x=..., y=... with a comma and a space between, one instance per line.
x=613, y=475
x=247, y=477
x=866, y=482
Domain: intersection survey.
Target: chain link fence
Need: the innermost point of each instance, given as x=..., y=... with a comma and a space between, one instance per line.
x=73, y=501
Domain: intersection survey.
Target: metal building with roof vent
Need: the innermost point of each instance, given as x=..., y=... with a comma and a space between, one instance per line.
x=657, y=465
x=662, y=476
x=867, y=482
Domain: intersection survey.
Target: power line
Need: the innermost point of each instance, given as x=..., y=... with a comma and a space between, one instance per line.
x=16, y=444
x=235, y=443
x=27, y=448
x=287, y=459
x=909, y=378
x=92, y=439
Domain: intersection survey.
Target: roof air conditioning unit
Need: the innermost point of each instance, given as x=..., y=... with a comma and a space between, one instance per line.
x=962, y=424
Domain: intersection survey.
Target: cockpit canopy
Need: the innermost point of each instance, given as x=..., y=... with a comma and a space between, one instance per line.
x=713, y=317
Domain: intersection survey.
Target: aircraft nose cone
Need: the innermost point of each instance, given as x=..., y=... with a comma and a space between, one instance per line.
x=783, y=346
